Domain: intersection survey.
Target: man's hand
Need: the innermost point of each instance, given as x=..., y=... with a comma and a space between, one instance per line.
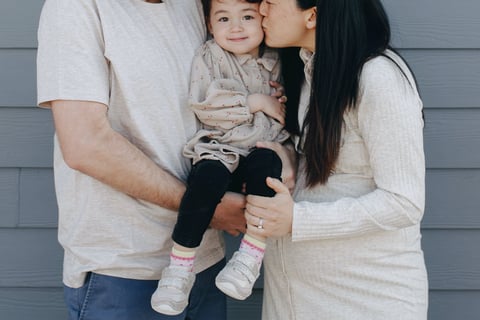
x=229, y=215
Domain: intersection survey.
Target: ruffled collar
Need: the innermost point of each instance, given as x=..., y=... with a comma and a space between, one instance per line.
x=307, y=58
x=268, y=60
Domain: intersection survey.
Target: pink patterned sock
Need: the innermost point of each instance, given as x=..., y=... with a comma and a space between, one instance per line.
x=182, y=259
x=253, y=247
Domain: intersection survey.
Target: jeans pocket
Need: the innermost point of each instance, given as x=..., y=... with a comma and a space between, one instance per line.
x=76, y=299
x=88, y=289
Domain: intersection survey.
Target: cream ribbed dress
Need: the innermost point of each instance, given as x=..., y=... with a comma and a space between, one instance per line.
x=355, y=251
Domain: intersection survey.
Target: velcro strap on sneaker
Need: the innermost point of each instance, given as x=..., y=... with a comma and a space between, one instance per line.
x=176, y=278
x=246, y=265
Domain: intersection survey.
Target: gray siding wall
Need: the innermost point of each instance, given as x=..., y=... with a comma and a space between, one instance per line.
x=441, y=41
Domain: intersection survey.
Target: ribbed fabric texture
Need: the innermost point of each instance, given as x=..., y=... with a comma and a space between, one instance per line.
x=361, y=230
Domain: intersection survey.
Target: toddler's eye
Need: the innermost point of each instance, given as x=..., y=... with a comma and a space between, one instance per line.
x=223, y=19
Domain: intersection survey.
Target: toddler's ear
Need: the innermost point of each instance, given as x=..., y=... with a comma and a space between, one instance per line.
x=209, y=27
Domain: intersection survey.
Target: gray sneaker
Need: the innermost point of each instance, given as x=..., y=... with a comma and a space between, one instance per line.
x=239, y=275
x=171, y=296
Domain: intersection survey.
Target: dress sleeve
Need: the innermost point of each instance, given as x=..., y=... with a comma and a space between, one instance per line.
x=217, y=102
x=391, y=124
x=70, y=62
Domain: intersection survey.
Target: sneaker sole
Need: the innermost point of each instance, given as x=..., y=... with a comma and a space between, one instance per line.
x=165, y=309
x=230, y=290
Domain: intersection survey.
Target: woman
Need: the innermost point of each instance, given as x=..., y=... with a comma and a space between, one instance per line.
x=347, y=245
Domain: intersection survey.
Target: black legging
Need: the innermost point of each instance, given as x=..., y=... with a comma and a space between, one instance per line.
x=207, y=183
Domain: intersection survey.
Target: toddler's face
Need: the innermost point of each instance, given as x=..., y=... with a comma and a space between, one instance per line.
x=236, y=26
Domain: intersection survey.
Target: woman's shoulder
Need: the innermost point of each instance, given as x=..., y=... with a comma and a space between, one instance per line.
x=386, y=69
x=379, y=66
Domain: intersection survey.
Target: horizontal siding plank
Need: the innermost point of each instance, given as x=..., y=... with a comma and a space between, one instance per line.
x=8, y=197
x=30, y=258
x=36, y=259
x=38, y=206
x=437, y=24
x=452, y=138
x=19, y=23
x=449, y=305
x=18, y=78
x=452, y=259
x=26, y=137
x=32, y=303
x=452, y=199
x=434, y=24
x=447, y=78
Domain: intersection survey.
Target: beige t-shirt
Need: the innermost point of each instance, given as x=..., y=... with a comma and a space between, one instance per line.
x=135, y=58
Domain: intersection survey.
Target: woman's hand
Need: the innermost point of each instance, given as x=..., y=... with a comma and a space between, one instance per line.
x=270, y=217
x=287, y=154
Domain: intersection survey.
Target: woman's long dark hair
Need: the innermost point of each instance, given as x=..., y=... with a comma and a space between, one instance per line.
x=348, y=33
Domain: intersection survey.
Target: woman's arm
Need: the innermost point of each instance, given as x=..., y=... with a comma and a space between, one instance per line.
x=391, y=125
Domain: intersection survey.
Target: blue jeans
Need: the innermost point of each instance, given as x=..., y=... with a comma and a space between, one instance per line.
x=111, y=298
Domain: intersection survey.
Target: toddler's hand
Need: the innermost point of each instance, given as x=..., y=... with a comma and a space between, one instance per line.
x=269, y=105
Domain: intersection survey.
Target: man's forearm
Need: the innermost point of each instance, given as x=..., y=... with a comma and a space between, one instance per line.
x=125, y=168
x=91, y=146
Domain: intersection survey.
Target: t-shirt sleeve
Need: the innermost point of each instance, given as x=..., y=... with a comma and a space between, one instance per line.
x=70, y=61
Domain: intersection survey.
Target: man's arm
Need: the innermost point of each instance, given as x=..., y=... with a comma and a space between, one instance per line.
x=91, y=146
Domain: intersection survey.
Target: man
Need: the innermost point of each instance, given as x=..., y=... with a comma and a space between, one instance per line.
x=115, y=74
